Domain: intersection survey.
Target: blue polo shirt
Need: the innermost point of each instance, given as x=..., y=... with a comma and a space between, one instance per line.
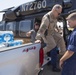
x=72, y=44
x=69, y=66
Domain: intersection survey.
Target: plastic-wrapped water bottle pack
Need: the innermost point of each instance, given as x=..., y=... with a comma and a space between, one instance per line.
x=7, y=39
x=15, y=43
x=6, y=36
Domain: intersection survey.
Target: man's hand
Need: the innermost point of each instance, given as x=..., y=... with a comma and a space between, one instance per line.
x=38, y=41
x=60, y=64
x=66, y=56
x=28, y=34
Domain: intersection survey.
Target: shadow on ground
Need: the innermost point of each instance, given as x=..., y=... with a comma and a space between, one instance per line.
x=47, y=70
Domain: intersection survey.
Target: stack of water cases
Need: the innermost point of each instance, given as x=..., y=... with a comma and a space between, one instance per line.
x=7, y=39
x=6, y=36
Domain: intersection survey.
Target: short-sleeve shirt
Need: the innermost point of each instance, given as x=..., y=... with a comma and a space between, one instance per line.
x=33, y=35
x=69, y=66
x=72, y=44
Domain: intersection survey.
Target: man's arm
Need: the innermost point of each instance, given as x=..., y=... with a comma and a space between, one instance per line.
x=28, y=34
x=66, y=56
x=42, y=29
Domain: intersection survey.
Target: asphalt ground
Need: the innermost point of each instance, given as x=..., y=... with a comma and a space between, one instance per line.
x=47, y=69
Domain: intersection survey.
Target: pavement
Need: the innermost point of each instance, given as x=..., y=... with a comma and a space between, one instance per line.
x=47, y=70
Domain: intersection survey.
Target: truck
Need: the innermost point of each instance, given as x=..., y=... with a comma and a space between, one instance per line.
x=24, y=59
x=27, y=59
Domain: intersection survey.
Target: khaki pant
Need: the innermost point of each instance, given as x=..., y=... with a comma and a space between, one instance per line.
x=60, y=42
x=55, y=40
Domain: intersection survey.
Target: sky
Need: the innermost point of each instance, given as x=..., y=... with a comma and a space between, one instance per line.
x=4, y=4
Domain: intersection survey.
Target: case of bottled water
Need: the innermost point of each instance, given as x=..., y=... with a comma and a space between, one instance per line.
x=15, y=43
x=7, y=39
x=6, y=36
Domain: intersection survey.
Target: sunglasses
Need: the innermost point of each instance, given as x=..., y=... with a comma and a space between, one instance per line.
x=58, y=13
x=37, y=25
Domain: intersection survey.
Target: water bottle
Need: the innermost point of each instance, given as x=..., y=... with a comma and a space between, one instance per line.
x=6, y=36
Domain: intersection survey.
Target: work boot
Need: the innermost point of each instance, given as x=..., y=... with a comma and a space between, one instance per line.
x=55, y=69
